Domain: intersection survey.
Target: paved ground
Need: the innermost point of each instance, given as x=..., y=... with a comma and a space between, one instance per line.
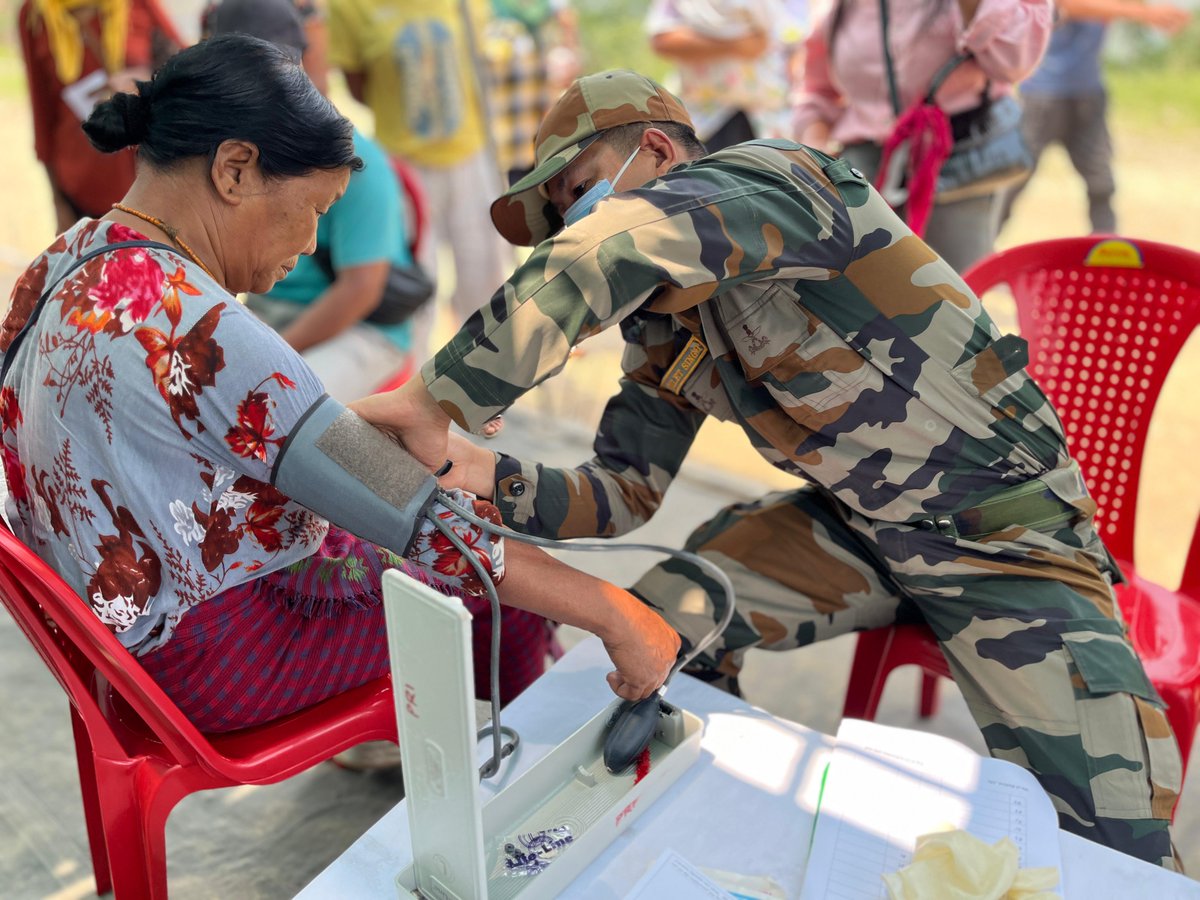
x=267, y=842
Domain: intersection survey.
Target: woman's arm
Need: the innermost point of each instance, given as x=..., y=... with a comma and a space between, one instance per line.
x=640, y=644
x=819, y=104
x=688, y=46
x=1006, y=37
x=1161, y=16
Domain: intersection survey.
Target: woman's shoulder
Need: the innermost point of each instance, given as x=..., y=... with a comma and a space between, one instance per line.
x=109, y=279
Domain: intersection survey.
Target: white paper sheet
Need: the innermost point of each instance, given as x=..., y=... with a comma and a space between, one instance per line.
x=887, y=786
x=82, y=96
x=673, y=876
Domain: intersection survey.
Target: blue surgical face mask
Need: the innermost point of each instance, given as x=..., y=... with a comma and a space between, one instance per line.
x=595, y=194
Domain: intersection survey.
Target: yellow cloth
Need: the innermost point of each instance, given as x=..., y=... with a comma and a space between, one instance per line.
x=66, y=40
x=956, y=865
x=421, y=84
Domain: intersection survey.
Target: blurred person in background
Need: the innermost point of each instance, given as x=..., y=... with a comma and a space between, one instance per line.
x=734, y=63
x=1065, y=101
x=415, y=65
x=321, y=308
x=845, y=102
x=532, y=52
x=78, y=53
x=316, y=38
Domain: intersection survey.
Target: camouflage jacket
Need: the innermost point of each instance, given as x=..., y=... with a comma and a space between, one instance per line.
x=849, y=352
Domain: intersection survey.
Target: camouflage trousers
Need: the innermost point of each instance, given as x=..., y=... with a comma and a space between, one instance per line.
x=1026, y=619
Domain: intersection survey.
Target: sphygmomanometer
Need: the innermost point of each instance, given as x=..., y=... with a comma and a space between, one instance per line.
x=342, y=468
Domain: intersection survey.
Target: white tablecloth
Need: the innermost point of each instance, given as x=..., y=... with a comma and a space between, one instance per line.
x=746, y=806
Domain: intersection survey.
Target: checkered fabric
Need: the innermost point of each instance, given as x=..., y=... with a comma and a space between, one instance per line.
x=292, y=638
x=518, y=94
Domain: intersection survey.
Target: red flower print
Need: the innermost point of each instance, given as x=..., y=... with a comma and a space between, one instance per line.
x=48, y=496
x=177, y=284
x=10, y=410
x=282, y=380
x=14, y=475
x=450, y=561
x=260, y=523
x=183, y=367
x=128, y=575
x=220, y=539
x=24, y=297
x=254, y=430
x=117, y=233
x=130, y=286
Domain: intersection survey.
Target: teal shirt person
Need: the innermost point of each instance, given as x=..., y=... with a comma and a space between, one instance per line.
x=365, y=226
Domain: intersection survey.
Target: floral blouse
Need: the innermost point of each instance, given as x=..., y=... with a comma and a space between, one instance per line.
x=140, y=419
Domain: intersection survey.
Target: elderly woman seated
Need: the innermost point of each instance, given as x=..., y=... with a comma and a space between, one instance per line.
x=144, y=411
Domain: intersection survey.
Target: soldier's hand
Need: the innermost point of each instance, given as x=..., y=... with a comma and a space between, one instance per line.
x=411, y=415
x=642, y=646
x=474, y=468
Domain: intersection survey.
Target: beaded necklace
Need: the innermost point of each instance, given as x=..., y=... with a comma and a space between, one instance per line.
x=169, y=231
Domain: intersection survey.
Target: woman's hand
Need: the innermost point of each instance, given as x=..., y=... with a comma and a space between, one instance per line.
x=642, y=646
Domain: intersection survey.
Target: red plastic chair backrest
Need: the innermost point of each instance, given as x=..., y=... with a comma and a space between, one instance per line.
x=1105, y=320
x=417, y=202
x=83, y=655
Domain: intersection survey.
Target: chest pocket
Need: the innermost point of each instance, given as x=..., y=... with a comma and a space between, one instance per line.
x=810, y=371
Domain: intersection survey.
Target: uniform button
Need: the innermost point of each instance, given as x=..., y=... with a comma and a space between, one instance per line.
x=857, y=174
x=517, y=488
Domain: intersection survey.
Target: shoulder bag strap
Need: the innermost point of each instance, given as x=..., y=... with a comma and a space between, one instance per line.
x=893, y=91
x=34, y=313
x=939, y=77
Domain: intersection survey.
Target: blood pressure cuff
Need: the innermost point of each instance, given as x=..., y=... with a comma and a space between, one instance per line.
x=344, y=469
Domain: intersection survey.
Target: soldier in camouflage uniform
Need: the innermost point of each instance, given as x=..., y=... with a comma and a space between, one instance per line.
x=770, y=285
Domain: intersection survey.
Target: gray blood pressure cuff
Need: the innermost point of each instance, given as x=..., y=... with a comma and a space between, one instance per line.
x=344, y=469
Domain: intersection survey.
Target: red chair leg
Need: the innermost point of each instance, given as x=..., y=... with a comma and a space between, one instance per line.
x=929, y=695
x=868, y=674
x=91, y=804
x=134, y=829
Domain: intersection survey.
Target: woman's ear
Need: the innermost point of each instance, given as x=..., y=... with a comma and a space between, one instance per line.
x=666, y=154
x=235, y=172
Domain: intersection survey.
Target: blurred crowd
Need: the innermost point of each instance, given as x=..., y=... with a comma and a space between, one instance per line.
x=459, y=87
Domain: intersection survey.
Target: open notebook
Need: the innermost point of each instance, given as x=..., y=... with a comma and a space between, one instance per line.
x=885, y=787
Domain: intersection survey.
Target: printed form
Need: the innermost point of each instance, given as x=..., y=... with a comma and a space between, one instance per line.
x=885, y=787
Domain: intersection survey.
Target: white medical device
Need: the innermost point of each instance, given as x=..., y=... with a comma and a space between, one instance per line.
x=534, y=837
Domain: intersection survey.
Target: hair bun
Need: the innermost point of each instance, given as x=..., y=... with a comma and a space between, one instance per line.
x=119, y=122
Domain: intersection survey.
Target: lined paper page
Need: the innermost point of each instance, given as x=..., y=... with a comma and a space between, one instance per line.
x=887, y=786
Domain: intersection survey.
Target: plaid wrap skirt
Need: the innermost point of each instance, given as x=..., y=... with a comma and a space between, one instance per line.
x=292, y=638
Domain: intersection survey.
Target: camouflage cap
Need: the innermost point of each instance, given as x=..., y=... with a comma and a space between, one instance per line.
x=593, y=104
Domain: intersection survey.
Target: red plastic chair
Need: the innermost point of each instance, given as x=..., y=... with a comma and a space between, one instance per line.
x=138, y=755
x=1105, y=320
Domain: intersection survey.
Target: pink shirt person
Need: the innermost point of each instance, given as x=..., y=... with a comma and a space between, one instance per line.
x=845, y=79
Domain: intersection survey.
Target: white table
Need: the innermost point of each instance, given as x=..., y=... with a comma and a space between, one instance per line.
x=746, y=806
